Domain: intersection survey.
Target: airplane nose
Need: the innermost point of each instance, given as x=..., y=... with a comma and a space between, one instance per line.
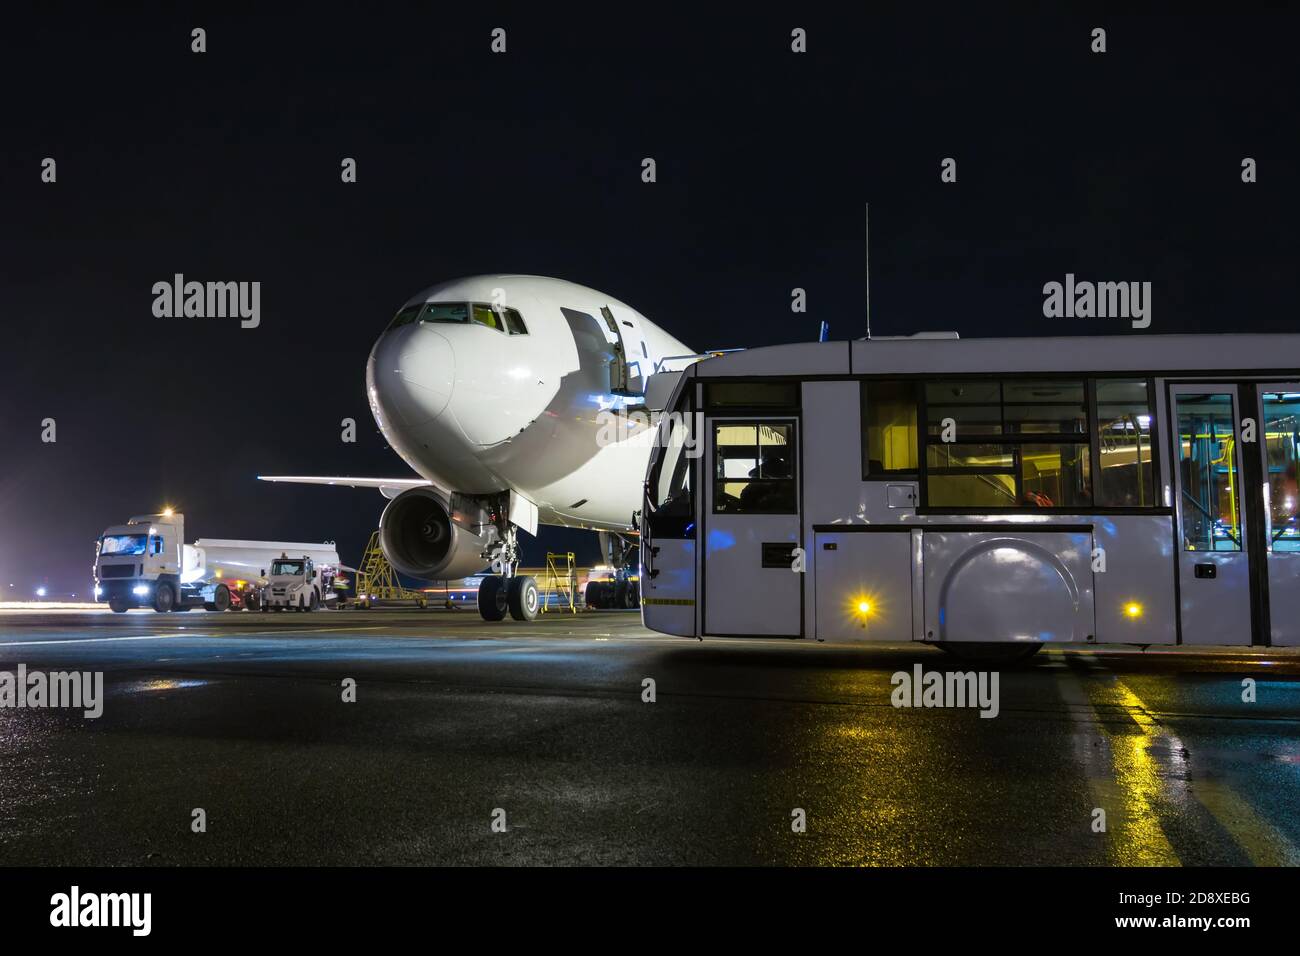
x=412, y=373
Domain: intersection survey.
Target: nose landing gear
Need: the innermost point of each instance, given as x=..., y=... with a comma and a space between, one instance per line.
x=517, y=594
x=504, y=591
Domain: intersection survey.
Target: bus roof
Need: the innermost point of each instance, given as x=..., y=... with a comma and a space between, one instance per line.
x=1200, y=355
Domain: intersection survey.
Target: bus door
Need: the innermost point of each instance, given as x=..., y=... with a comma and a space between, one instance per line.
x=750, y=516
x=1279, y=446
x=1212, y=546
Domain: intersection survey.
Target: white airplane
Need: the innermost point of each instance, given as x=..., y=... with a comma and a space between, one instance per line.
x=492, y=389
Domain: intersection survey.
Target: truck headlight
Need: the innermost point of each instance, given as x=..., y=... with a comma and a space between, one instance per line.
x=140, y=589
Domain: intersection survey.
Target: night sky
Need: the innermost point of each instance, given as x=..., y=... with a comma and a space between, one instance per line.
x=225, y=166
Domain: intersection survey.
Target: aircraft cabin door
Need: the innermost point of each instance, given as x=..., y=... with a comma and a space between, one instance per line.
x=1213, y=558
x=629, y=370
x=750, y=519
x=1279, y=448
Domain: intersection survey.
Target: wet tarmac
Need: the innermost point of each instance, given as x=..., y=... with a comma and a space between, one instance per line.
x=543, y=730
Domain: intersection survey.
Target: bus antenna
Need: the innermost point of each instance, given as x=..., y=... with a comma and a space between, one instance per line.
x=866, y=235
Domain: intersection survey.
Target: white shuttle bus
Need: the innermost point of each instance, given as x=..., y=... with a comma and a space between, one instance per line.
x=984, y=495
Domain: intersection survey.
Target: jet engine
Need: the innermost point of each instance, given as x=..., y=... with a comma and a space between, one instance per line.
x=424, y=538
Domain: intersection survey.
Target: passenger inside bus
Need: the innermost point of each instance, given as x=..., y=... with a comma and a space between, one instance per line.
x=770, y=487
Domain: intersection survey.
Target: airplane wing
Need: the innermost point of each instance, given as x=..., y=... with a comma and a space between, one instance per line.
x=388, y=487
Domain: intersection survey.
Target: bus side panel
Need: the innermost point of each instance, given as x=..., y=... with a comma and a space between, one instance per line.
x=1135, y=594
x=994, y=586
x=833, y=489
x=864, y=586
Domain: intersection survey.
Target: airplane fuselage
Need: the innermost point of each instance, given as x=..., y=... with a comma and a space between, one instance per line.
x=507, y=383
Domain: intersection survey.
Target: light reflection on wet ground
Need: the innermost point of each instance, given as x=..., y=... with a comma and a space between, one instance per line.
x=454, y=718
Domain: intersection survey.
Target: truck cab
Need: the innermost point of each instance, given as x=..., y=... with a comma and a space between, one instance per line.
x=295, y=583
x=144, y=563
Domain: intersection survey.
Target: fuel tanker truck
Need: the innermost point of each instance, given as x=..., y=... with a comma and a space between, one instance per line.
x=146, y=563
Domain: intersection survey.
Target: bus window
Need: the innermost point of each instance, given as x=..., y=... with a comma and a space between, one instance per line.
x=754, y=468
x=974, y=406
x=1056, y=475
x=1208, y=469
x=670, y=483
x=1020, y=443
x=1035, y=406
x=751, y=394
x=970, y=476
x=1124, y=444
x=889, y=440
x=1282, y=431
x=987, y=476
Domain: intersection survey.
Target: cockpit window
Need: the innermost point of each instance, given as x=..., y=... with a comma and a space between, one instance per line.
x=406, y=316
x=485, y=315
x=514, y=322
x=462, y=313
x=445, y=312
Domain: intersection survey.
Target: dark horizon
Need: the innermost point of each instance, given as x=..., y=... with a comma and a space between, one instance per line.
x=224, y=166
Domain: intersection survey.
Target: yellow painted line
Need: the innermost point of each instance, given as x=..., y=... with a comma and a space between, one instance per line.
x=1122, y=779
x=1262, y=842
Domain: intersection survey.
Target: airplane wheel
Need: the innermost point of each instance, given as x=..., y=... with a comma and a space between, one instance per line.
x=164, y=598
x=523, y=598
x=492, y=601
x=119, y=606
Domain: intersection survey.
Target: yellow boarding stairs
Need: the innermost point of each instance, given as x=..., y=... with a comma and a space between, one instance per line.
x=377, y=581
x=560, y=579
